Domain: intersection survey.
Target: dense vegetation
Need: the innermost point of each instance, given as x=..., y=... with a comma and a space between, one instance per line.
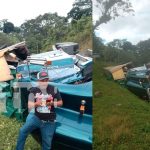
x=121, y=51
x=42, y=32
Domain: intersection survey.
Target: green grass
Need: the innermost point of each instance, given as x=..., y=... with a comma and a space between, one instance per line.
x=121, y=120
x=9, y=130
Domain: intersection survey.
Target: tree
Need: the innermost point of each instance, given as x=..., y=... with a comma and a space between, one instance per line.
x=98, y=45
x=17, y=29
x=143, y=48
x=110, y=9
x=8, y=27
x=116, y=43
x=6, y=39
x=2, y=22
x=46, y=30
x=144, y=45
x=80, y=8
x=122, y=44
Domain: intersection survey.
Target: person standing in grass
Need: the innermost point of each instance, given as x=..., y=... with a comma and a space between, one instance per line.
x=41, y=104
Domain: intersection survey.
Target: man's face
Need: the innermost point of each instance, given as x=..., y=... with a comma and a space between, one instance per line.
x=43, y=83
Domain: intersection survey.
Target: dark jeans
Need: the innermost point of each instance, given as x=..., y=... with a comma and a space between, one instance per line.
x=33, y=122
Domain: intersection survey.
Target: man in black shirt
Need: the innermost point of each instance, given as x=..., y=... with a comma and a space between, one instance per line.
x=41, y=104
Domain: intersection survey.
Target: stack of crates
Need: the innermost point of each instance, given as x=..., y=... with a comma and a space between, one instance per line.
x=6, y=98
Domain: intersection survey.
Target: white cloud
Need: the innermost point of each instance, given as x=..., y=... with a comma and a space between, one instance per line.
x=17, y=11
x=132, y=28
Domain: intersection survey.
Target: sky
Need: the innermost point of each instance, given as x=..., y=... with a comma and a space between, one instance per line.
x=17, y=11
x=134, y=28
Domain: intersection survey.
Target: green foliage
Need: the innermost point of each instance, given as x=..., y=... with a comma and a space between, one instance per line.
x=17, y=29
x=98, y=45
x=4, y=39
x=8, y=27
x=45, y=30
x=122, y=51
x=8, y=39
x=143, y=49
x=2, y=22
x=81, y=8
x=79, y=30
x=122, y=44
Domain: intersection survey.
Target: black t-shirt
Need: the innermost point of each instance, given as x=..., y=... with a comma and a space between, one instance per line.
x=45, y=112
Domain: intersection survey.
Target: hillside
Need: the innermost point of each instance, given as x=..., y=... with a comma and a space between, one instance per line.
x=86, y=43
x=121, y=120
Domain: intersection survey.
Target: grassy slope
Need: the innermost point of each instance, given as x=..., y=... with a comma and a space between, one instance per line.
x=9, y=130
x=121, y=120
